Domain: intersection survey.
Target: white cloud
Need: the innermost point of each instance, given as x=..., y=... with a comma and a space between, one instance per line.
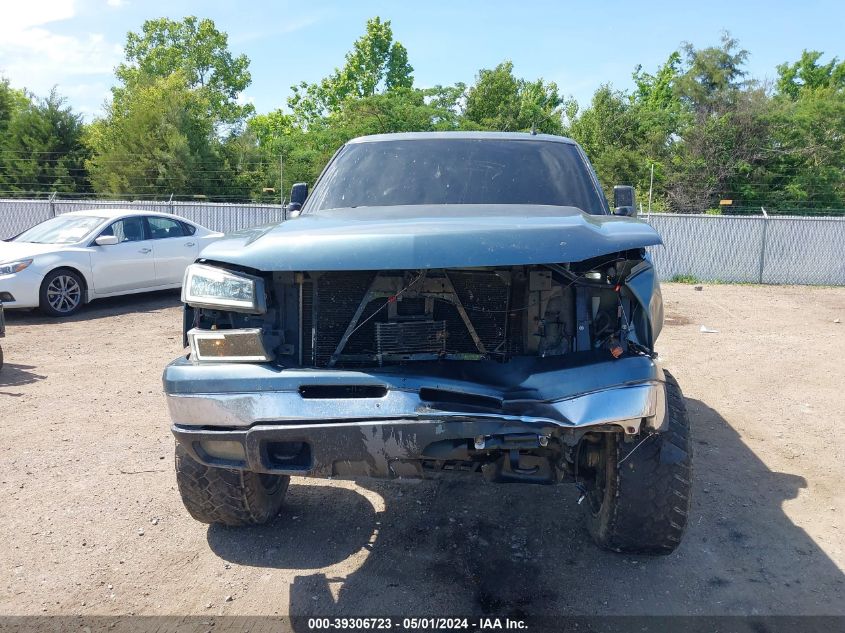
x=18, y=16
x=244, y=99
x=117, y=3
x=292, y=25
x=34, y=55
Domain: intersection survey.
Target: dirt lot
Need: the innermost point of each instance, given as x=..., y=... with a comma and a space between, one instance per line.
x=92, y=523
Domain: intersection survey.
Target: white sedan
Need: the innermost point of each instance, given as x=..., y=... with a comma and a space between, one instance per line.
x=77, y=257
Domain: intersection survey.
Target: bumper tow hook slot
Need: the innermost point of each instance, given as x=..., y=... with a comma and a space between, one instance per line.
x=513, y=454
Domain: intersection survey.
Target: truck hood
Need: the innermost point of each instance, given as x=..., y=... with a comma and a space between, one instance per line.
x=438, y=236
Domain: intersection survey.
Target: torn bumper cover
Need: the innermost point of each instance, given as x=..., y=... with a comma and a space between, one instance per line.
x=389, y=422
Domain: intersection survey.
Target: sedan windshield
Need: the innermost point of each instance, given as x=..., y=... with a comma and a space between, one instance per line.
x=65, y=229
x=457, y=171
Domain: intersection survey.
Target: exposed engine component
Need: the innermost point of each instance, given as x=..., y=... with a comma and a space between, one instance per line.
x=369, y=318
x=409, y=340
x=364, y=318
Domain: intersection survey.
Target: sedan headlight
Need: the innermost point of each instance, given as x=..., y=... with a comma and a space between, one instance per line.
x=8, y=268
x=210, y=287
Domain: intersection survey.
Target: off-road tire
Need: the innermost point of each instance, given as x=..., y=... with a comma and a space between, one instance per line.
x=642, y=506
x=228, y=497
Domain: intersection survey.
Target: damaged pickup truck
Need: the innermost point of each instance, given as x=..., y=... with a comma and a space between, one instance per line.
x=445, y=305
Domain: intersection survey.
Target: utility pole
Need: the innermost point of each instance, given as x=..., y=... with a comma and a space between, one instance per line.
x=650, y=187
x=281, y=180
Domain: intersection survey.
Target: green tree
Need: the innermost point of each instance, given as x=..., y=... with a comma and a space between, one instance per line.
x=723, y=143
x=610, y=134
x=723, y=155
x=199, y=53
x=806, y=171
x=807, y=74
x=41, y=148
x=713, y=75
x=12, y=101
x=375, y=64
x=658, y=104
x=158, y=140
x=500, y=101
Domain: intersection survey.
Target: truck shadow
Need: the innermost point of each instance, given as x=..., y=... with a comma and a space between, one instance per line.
x=456, y=548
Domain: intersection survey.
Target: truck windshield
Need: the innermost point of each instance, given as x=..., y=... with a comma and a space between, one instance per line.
x=457, y=171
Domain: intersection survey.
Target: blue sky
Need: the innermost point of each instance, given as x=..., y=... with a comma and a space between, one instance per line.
x=75, y=44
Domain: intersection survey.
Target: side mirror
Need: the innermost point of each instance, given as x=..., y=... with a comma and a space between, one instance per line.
x=107, y=240
x=624, y=201
x=298, y=194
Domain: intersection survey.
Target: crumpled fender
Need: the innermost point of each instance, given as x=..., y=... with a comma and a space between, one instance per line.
x=642, y=282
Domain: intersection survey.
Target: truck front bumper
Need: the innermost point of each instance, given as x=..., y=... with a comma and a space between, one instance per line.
x=394, y=422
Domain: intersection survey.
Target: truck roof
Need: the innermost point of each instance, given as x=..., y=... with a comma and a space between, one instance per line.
x=421, y=136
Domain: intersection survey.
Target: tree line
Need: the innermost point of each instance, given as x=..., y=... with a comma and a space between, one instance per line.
x=693, y=133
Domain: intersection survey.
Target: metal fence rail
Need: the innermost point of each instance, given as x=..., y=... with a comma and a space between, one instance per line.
x=750, y=249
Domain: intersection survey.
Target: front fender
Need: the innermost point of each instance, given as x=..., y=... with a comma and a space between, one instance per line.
x=644, y=285
x=78, y=260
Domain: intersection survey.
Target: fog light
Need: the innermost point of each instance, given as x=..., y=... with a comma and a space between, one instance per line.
x=224, y=449
x=233, y=346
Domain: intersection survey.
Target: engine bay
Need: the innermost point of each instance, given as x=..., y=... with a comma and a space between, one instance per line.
x=381, y=318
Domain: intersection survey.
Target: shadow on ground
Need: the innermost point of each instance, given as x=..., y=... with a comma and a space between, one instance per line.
x=441, y=548
x=100, y=308
x=14, y=375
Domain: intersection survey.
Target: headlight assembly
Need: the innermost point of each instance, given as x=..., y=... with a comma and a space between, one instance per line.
x=9, y=268
x=210, y=287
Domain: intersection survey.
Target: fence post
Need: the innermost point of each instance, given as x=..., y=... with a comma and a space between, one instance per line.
x=170, y=204
x=763, y=246
x=52, y=205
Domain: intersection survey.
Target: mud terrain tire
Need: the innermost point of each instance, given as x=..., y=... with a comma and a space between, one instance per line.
x=228, y=497
x=642, y=500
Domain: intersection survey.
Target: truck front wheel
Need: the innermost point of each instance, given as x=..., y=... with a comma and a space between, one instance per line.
x=228, y=497
x=638, y=496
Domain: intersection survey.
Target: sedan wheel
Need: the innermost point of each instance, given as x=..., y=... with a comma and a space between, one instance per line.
x=61, y=293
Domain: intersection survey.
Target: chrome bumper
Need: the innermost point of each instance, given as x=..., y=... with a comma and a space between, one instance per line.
x=625, y=406
x=535, y=391
x=259, y=407
x=258, y=411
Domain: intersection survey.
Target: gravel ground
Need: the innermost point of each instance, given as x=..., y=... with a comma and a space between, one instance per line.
x=92, y=522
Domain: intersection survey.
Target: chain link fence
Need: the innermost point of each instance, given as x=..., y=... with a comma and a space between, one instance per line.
x=17, y=215
x=750, y=249
x=738, y=249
